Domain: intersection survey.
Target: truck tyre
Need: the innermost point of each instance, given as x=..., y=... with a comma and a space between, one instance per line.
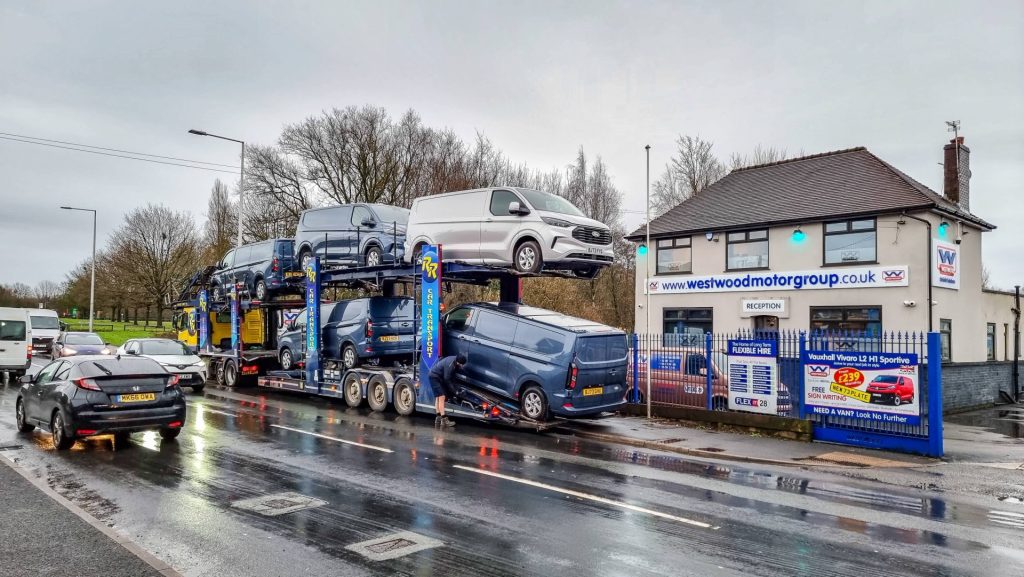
x=285, y=358
x=374, y=256
x=261, y=290
x=527, y=257
x=352, y=389
x=405, y=396
x=377, y=393
x=349, y=358
x=230, y=373
x=534, y=404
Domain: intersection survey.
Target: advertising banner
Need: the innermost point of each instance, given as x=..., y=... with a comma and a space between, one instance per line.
x=847, y=278
x=233, y=296
x=877, y=386
x=312, y=272
x=430, y=311
x=204, y=320
x=753, y=376
x=945, y=264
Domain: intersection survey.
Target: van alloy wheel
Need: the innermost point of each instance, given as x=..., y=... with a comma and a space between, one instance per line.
x=286, y=360
x=261, y=290
x=527, y=257
x=348, y=356
x=373, y=257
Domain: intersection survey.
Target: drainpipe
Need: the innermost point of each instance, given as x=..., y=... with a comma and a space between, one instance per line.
x=1016, y=343
x=928, y=277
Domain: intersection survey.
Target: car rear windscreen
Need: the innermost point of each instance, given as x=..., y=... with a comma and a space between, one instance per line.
x=12, y=330
x=391, y=308
x=601, y=348
x=46, y=323
x=163, y=348
x=124, y=366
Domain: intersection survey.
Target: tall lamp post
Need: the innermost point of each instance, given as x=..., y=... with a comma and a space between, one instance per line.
x=92, y=281
x=241, y=177
x=647, y=283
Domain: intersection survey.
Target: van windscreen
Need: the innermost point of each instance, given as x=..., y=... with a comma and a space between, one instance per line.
x=48, y=323
x=12, y=330
x=602, y=348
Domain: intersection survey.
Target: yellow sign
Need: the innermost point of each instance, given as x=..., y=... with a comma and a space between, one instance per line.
x=430, y=267
x=851, y=393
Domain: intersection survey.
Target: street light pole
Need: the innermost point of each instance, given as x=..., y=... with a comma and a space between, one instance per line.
x=647, y=282
x=92, y=280
x=241, y=177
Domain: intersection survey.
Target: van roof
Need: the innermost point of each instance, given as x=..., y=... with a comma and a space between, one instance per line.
x=553, y=318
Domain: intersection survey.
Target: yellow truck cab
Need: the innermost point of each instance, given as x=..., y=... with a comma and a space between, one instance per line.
x=251, y=329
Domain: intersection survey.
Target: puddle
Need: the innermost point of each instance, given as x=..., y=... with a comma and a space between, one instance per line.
x=1007, y=421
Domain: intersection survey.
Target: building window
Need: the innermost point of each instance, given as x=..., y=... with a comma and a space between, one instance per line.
x=674, y=256
x=850, y=241
x=858, y=320
x=946, y=338
x=990, y=341
x=746, y=250
x=686, y=327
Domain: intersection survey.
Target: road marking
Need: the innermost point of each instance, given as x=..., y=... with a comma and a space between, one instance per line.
x=365, y=446
x=589, y=497
x=205, y=410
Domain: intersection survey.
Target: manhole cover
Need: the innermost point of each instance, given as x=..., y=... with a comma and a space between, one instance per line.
x=11, y=447
x=278, y=504
x=711, y=449
x=394, y=545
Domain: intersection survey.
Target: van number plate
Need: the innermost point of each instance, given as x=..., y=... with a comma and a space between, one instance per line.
x=593, y=391
x=594, y=250
x=388, y=339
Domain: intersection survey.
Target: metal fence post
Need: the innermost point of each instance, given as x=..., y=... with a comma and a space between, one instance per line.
x=708, y=372
x=935, y=444
x=803, y=373
x=635, y=397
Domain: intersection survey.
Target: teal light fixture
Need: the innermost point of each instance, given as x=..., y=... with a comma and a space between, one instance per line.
x=641, y=250
x=944, y=229
x=798, y=236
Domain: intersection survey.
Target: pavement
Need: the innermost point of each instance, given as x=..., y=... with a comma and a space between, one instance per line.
x=265, y=483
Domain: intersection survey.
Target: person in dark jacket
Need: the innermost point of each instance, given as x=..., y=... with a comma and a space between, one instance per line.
x=442, y=381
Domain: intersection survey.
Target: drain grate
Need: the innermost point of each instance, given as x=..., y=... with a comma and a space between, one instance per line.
x=394, y=545
x=278, y=504
x=711, y=449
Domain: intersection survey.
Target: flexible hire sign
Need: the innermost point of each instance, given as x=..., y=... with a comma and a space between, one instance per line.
x=847, y=278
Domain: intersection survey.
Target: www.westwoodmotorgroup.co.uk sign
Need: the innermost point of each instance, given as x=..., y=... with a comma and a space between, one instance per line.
x=861, y=277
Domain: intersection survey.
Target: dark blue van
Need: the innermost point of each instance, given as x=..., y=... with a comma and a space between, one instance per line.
x=377, y=329
x=550, y=363
x=262, y=268
x=352, y=234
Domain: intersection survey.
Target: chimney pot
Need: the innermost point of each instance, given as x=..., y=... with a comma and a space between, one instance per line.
x=957, y=172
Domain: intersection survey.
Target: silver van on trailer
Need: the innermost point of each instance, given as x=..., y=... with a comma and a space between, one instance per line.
x=527, y=229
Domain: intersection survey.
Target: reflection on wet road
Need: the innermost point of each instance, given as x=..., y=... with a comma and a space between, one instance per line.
x=502, y=502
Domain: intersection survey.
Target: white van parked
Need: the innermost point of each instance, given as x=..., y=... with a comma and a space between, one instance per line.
x=527, y=229
x=15, y=342
x=45, y=328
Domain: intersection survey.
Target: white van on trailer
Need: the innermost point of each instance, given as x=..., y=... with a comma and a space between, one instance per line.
x=15, y=342
x=45, y=325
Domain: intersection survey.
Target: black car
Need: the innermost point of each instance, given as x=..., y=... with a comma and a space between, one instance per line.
x=91, y=395
x=352, y=234
x=259, y=268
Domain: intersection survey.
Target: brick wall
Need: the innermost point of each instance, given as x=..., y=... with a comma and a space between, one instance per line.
x=967, y=386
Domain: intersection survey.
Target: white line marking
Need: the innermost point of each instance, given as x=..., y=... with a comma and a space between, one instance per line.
x=205, y=410
x=381, y=449
x=589, y=497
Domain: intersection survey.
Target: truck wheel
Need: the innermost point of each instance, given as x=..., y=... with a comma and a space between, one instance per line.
x=534, y=404
x=349, y=358
x=527, y=257
x=353, y=389
x=230, y=373
x=374, y=256
x=261, y=290
x=405, y=396
x=286, y=359
x=377, y=393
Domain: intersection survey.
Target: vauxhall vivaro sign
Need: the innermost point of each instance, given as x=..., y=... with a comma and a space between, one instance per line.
x=847, y=278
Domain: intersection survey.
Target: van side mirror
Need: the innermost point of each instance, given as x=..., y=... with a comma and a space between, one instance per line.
x=515, y=208
x=369, y=222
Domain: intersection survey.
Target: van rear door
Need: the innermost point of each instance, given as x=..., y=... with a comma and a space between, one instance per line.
x=15, y=339
x=600, y=361
x=393, y=330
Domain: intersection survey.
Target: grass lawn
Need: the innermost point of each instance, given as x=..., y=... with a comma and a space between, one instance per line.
x=117, y=333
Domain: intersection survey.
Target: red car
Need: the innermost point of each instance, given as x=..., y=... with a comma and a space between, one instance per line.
x=891, y=389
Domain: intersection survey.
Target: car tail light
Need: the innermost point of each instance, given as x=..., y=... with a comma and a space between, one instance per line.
x=275, y=265
x=495, y=412
x=173, y=381
x=174, y=425
x=85, y=432
x=573, y=372
x=369, y=328
x=87, y=384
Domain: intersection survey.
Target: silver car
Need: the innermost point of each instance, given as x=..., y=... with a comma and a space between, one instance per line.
x=527, y=229
x=173, y=356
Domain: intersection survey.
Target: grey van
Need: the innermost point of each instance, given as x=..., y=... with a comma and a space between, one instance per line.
x=551, y=363
x=261, y=268
x=352, y=234
x=354, y=331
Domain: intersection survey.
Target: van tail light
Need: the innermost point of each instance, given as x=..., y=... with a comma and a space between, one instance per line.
x=173, y=381
x=369, y=328
x=573, y=372
x=28, y=353
x=87, y=384
x=276, y=265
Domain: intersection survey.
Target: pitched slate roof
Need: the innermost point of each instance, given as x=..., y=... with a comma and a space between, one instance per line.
x=811, y=188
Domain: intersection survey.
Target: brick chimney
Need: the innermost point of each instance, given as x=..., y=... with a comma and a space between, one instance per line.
x=957, y=172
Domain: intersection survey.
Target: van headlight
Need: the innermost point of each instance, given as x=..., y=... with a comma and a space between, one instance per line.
x=556, y=222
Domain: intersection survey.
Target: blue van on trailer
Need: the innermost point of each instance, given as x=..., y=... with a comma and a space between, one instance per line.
x=552, y=364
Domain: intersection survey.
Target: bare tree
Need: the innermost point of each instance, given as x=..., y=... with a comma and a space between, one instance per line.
x=691, y=170
x=221, y=222
x=47, y=291
x=153, y=250
x=761, y=155
x=276, y=194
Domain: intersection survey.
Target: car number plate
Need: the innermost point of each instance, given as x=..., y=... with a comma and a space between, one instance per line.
x=593, y=391
x=135, y=398
x=388, y=339
x=294, y=273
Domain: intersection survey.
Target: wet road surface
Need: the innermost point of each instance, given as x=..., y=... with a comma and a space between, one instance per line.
x=495, y=502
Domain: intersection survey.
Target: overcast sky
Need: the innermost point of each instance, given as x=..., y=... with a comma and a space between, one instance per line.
x=539, y=78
